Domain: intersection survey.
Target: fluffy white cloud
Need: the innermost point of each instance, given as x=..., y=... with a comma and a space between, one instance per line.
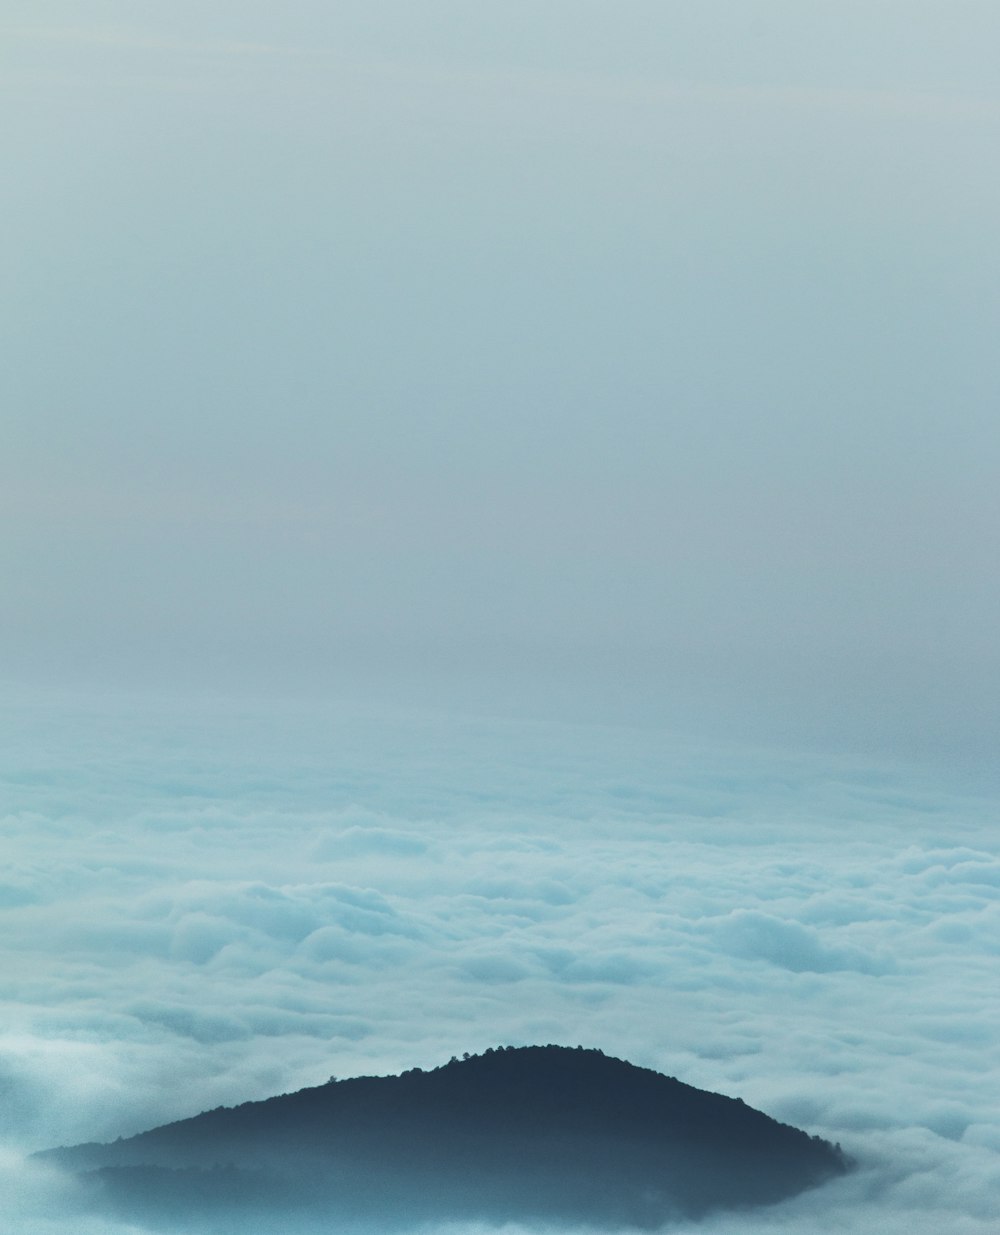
x=205, y=908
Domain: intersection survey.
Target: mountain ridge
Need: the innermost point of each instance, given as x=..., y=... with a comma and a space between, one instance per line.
x=550, y=1133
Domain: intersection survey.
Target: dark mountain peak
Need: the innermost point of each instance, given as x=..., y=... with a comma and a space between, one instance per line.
x=553, y=1133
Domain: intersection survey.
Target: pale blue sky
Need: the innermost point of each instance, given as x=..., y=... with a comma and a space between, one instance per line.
x=635, y=360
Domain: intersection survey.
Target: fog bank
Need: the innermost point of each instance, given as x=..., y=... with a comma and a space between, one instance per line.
x=210, y=904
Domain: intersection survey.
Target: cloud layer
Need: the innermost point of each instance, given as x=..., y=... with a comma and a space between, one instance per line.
x=205, y=906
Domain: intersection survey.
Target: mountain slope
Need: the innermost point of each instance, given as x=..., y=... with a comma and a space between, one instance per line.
x=545, y=1133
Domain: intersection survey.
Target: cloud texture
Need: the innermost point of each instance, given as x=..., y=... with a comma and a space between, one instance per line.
x=209, y=904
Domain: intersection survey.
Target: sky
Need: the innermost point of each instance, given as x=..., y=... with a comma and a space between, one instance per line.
x=502, y=498
x=628, y=360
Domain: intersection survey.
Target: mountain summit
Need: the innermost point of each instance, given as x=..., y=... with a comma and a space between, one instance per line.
x=539, y=1133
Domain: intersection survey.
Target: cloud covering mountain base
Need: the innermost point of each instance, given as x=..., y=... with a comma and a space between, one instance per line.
x=548, y=1134
x=206, y=905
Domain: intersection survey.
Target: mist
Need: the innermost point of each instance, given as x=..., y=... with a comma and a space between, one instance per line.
x=209, y=904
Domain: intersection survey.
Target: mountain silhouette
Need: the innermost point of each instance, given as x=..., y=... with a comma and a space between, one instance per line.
x=541, y=1133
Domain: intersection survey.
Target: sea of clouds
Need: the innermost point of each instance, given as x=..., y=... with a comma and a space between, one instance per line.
x=208, y=903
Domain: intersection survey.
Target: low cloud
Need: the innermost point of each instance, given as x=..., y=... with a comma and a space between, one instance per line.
x=234, y=909
x=791, y=945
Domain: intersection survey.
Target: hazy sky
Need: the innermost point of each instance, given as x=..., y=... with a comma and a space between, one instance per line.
x=629, y=359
